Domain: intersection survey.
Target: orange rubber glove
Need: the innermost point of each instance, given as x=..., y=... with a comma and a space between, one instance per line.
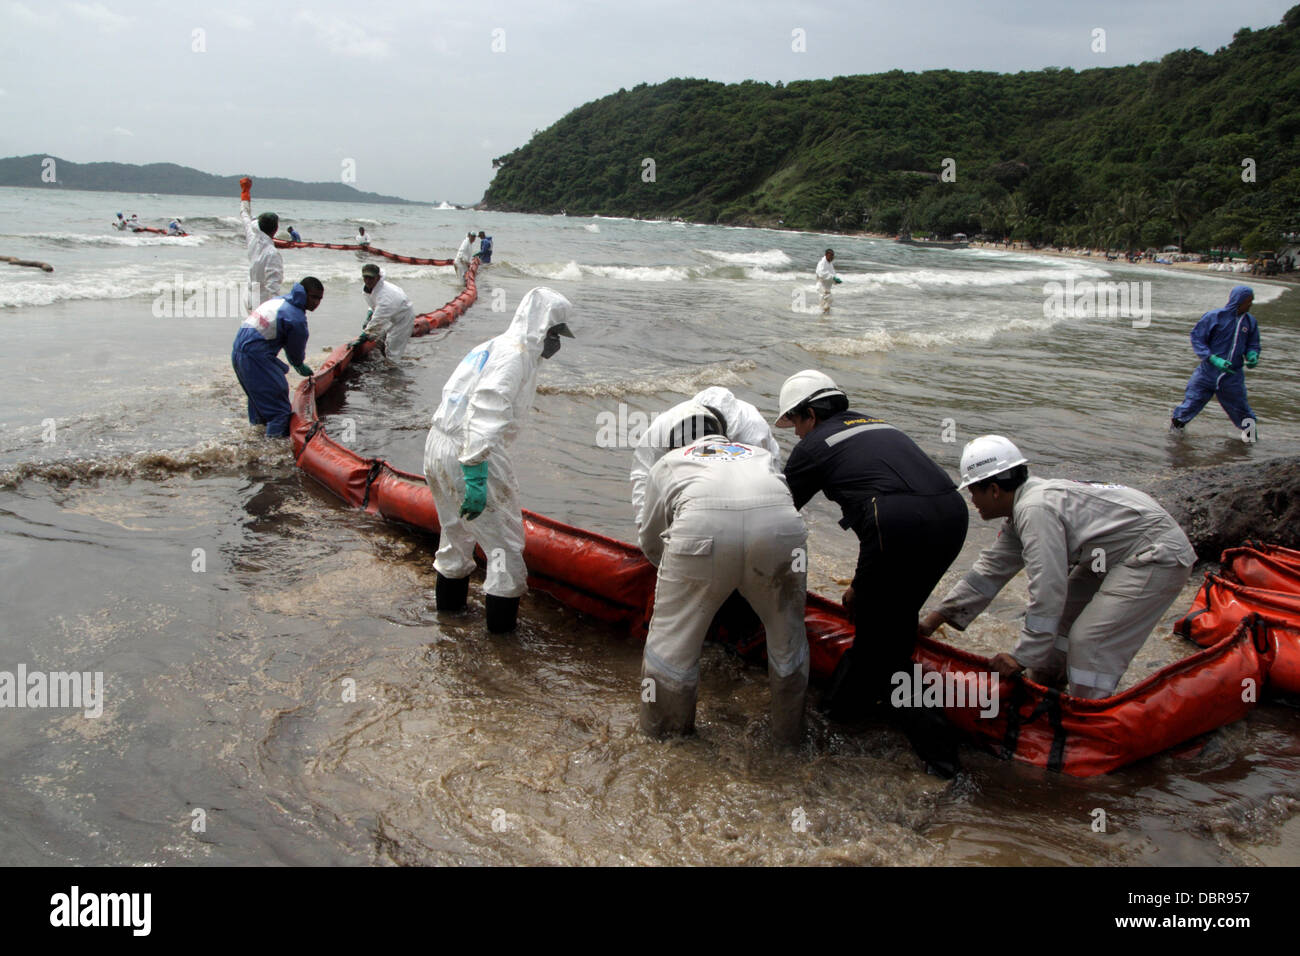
x=245, y=190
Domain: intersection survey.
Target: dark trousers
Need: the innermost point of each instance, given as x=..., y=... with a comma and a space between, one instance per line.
x=906, y=543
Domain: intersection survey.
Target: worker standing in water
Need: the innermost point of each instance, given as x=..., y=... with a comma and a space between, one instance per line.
x=826, y=279
x=391, y=318
x=1227, y=343
x=265, y=264
x=1104, y=563
x=278, y=323
x=467, y=462
x=718, y=518
x=910, y=522
x=463, y=254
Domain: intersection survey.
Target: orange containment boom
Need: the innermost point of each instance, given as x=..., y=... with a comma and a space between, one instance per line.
x=612, y=581
x=1261, y=580
x=349, y=247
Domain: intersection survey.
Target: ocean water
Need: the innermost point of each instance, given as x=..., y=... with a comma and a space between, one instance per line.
x=272, y=663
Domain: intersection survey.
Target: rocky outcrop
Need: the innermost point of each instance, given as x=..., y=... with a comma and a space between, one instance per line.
x=1224, y=506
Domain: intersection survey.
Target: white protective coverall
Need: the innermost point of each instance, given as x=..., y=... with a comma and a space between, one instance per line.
x=1104, y=562
x=483, y=403
x=825, y=282
x=463, y=256
x=718, y=518
x=265, y=264
x=745, y=424
x=392, y=317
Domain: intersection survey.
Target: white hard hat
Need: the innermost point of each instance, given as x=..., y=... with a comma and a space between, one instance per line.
x=987, y=457
x=682, y=424
x=803, y=387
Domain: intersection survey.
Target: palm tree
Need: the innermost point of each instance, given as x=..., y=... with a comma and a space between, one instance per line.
x=1181, y=204
x=1133, y=210
x=1017, y=214
x=1097, y=227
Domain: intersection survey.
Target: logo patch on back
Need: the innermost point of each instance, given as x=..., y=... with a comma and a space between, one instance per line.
x=720, y=451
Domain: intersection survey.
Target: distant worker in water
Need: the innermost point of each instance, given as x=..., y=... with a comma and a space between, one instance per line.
x=174, y=228
x=293, y=235
x=278, y=323
x=391, y=318
x=463, y=254
x=1227, y=343
x=265, y=265
x=121, y=223
x=826, y=278
x=362, y=239
x=484, y=253
x=718, y=518
x=1103, y=561
x=467, y=462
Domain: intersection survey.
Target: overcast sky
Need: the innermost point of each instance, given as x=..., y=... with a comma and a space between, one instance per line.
x=421, y=97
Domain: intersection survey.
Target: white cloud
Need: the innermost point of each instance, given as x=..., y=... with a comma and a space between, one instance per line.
x=121, y=131
x=26, y=16
x=236, y=21
x=101, y=16
x=344, y=37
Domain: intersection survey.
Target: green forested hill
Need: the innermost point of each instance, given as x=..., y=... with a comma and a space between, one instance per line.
x=1129, y=156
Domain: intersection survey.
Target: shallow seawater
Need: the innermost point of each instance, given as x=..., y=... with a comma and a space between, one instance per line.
x=273, y=665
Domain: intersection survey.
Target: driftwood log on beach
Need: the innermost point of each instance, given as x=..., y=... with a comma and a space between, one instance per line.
x=14, y=261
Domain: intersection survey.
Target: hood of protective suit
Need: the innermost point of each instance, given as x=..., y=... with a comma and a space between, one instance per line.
x=493, y=386
x=724, y=403
x=681, y=425
x=540, y=309
x=1237, y=296
x=297, y=296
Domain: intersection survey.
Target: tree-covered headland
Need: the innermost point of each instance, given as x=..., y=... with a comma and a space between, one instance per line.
x=1198, y=149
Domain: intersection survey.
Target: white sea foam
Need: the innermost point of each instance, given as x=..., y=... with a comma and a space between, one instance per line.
x=117, y=284
x=640, y=273
x=682, y=381
x=569, y=272
x=882, y=340
x=572, y=271
x=768, y=257
x=123, y=239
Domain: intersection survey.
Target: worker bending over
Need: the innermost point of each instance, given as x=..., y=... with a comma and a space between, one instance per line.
x=1104, y=562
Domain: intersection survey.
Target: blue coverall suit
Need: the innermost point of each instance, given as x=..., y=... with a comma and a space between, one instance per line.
x=279, y=323
x=1230, y=336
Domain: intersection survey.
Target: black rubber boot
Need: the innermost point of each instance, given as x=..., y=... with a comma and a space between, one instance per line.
x=502, y=613
x=933, y=738
x=452, y=594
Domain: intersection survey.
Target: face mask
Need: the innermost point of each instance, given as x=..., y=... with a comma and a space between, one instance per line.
x=550, y=345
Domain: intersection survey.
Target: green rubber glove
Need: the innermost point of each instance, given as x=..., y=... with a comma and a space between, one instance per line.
x=303, y=370
x=837, y=279
x=1252, y=359
x=1222, y=364
x=475, y=490
x=368, y=315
